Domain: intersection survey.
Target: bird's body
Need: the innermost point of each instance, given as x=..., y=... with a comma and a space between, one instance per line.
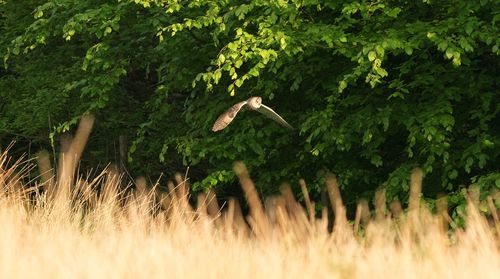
x=253, y=103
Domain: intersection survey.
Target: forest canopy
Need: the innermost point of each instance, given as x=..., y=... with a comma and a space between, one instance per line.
x=373, y=88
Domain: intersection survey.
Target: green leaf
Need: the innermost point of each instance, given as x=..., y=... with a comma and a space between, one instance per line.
x=488, y=143
x=372, y=55
x=238, y=63
x=449, y=53
x=443, y=45
x=254, y=72
x=39, y=14
x=221, y=59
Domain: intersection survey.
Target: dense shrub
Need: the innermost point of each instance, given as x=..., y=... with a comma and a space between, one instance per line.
x=374, y=88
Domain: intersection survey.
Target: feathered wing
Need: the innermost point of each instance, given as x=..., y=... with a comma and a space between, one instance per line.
x=228, y=116
x=270, y=113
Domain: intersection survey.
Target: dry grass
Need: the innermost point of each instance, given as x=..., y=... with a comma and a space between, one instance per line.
x=148, y=235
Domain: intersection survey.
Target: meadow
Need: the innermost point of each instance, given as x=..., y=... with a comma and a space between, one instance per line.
x=73, y=226
x=392, y=165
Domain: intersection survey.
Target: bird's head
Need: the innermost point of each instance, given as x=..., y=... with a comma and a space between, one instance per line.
x=255, y=102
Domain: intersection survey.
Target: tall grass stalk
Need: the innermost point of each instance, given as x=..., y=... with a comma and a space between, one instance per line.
x=94, y=229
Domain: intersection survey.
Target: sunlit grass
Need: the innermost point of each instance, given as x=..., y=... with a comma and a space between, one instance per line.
x=92, y=229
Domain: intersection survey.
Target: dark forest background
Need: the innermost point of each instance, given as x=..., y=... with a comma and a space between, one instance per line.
x=374, y=89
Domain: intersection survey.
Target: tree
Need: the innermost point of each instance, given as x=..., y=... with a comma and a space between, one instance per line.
x=374, y=87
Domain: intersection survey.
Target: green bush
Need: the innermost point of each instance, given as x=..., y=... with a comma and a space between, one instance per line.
x=374, y=88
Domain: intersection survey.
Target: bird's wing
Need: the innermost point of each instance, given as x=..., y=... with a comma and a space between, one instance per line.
x=228, y=116
x=269, y=112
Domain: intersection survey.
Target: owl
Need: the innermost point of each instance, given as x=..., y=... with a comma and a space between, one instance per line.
x=253, y=103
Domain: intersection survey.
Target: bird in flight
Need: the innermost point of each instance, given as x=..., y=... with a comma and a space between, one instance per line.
x=253, y=103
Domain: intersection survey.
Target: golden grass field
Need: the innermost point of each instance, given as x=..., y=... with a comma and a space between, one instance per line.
x=88, y=228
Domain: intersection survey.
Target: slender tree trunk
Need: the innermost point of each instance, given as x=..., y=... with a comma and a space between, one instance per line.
x=123, y=147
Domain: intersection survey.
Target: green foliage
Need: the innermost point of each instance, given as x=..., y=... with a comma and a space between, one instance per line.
x=374, y=87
